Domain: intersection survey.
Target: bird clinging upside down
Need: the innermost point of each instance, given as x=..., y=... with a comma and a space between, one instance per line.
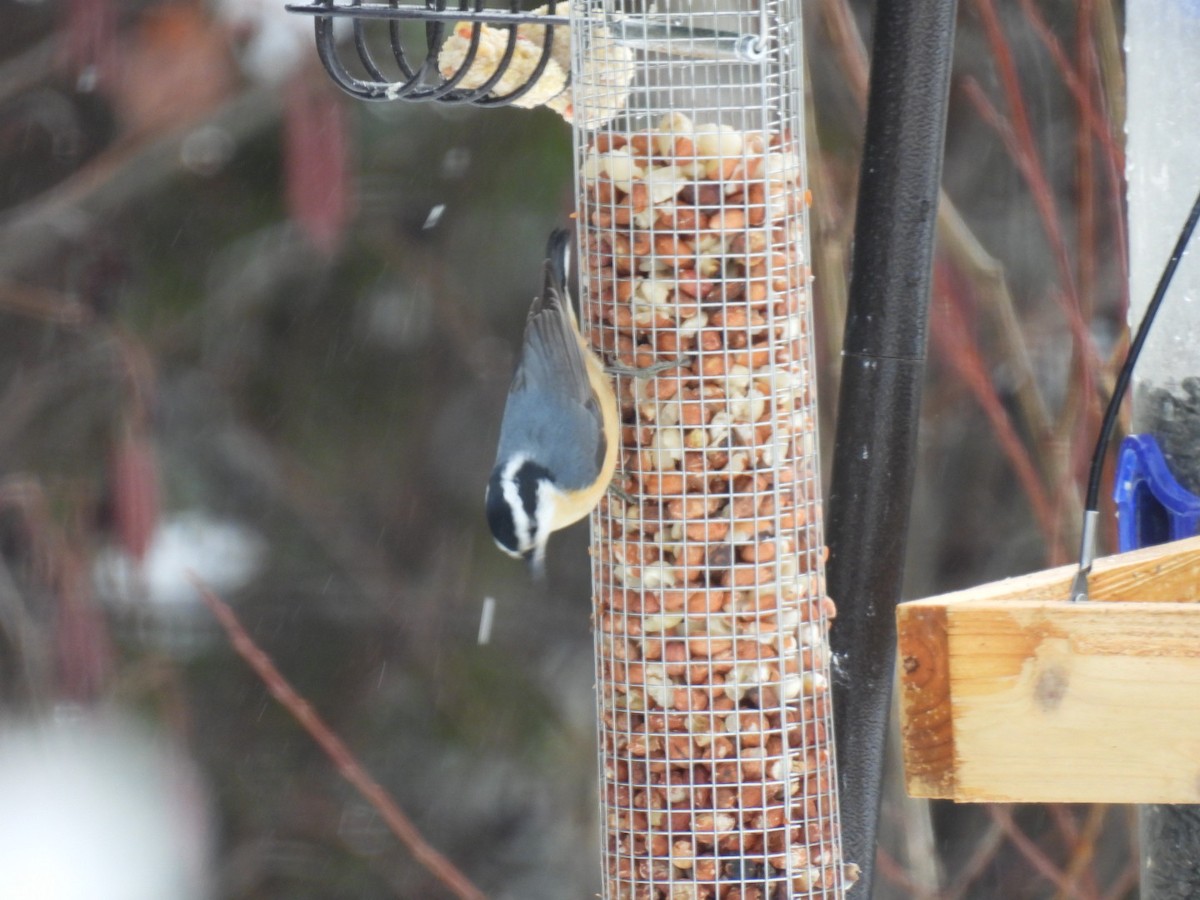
x=560, y=434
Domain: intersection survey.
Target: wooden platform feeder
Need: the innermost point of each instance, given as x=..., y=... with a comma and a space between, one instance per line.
x=1010, y=692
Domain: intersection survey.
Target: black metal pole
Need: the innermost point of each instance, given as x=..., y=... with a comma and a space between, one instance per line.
x=882, y=367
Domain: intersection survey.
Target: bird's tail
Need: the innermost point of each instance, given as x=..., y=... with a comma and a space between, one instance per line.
x=558, y=256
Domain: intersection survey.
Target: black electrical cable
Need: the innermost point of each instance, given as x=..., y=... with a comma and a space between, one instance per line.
x=1092, y=501
x=1135, y=350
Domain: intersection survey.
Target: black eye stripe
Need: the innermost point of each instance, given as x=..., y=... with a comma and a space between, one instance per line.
x=500, y=517
x=527, y=478
x=528, y=491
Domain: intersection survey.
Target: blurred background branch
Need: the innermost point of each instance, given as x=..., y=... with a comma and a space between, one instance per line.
x=250, y=327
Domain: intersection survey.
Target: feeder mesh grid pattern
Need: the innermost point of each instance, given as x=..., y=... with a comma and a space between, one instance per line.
x=716, y=746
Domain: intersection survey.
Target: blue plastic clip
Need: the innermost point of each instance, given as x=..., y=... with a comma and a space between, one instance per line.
x=1152, y=507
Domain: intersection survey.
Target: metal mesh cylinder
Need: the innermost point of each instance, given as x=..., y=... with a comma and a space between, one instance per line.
x=716, y=750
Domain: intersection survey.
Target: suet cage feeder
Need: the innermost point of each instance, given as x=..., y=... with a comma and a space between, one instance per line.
x=710, y=615
x=488, y=56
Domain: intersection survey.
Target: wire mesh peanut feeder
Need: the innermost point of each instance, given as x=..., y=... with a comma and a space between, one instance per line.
x=716, y=746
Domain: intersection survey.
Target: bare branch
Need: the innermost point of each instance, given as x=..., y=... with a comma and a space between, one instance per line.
x=347, y=764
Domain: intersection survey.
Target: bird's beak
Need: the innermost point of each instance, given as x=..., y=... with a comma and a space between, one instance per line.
x=535, y=559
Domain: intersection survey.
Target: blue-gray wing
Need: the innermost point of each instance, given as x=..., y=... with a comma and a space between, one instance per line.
x=552, y=414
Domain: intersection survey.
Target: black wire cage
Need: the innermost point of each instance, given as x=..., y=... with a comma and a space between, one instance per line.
x=490, y=56
x=423, y=80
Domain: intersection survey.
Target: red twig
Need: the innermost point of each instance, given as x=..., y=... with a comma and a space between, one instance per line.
x=1079, y=86
x=349, y=767
x=1086, y=360
x=1002, y=816
x=1092, y=826
x=1081, y=844
x=1025, y=156
x=839, y=22
x=958, y=346
x=45, y=305
x=896, y=874
x=1064, y=822
x=1068, y=301
x=1116, y=207
x=1085, y=191
x=1085, y=163
x=981, y=857
x=1126, y=881
x=1040, y=191
x=1025, y=146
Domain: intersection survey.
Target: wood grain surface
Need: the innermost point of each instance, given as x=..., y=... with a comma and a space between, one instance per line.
x=1010, y=692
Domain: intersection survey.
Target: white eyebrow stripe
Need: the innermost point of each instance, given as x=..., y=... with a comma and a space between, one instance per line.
x=512, y=496
x=547, y=497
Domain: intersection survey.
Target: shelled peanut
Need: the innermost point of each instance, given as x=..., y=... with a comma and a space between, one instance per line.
x=710, y=610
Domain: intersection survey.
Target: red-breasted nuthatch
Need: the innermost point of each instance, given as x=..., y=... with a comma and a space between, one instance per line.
x=561, y=428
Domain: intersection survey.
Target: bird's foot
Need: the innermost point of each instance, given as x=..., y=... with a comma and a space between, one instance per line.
x=623, y=495
x=645, y=371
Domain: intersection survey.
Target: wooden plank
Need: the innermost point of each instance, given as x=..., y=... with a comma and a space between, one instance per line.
x=925, y=702
x=1011, y=693
x=1165, y=573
